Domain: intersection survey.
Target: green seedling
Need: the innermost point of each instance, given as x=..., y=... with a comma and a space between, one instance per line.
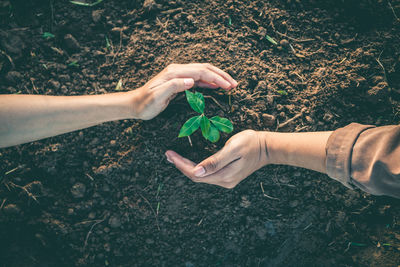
x=47, y=35
x=86, y=4
x=271, y=40
x=229, y=21
x=209, y=127
x=108, y=44
x=282, y=92
x=73, y=64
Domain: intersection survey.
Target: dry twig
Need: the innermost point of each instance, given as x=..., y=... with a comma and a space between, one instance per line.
x=295, y=39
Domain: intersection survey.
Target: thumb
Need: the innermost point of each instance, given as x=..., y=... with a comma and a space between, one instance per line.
x=175, y=86
x=216, y=162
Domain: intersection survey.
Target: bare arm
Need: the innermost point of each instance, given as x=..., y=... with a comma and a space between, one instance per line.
x=358, y=156
x=249, y=150
x=25, y=118
x=306, y=150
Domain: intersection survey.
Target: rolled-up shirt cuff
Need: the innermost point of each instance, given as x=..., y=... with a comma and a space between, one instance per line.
x=339, y=150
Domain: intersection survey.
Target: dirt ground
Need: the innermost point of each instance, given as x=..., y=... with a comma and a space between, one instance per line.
x=106, y=196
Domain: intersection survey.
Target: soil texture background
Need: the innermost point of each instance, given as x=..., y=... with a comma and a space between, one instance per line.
x=106, y=196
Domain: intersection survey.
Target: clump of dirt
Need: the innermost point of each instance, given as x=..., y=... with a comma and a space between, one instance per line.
x=107, y=196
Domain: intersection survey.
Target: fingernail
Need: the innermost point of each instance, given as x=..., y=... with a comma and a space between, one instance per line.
x=168, y=159
x=235, y=83
x=188, y=83
x=199, y=171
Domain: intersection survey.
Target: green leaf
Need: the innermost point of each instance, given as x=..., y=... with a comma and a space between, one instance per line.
x=222, y=124
x=48, y=35
x=205, y=126
x=73, y=64
x=86, y=4
x=271, y=40
x=190, y=126
x=282, y=92
x=196, y=101
x=213, y=134
x=108, y=44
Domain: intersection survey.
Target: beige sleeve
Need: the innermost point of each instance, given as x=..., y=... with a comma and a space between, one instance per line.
x=366, y=157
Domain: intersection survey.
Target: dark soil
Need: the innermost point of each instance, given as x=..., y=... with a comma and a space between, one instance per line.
x=107, y=196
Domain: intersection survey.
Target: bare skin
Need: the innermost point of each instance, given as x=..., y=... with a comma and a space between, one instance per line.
x=26, y=118
x=249, y=150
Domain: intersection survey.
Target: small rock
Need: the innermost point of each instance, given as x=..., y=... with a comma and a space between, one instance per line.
x=92, y=215
x=113, y=143
x=328, y=117
x=261, y=86
x=284, y=42
x=114, y=222
x=149, y=5
x=11, y=209
x=13, y=43
x=55, y=84
x=13, y=77
x=107, y=247
x=269, y=120
x=245, y=203
x=309, y=119
x=78, y=190
x=269, y=226
x=270, y=100
x=71, y=43
x=70, y=211
x=97, y=15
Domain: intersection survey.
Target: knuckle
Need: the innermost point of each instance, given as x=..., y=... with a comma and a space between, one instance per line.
x=175, y=83
x=207, y=65
x=212, y=164
x=171, y=66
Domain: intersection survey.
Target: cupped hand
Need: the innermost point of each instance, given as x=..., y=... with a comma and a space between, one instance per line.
x=243, y=154
x=155, y=95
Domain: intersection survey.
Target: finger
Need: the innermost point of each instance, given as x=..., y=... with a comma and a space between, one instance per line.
x=184, y=165
x=208, y=76
x=174, y=86
x=215, y=162
x=226, y=177
x=198, y=72
x=207, y=85
x=222, y=73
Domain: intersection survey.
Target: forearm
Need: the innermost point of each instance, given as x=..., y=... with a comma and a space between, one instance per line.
x=306, y=150
x=25, y=118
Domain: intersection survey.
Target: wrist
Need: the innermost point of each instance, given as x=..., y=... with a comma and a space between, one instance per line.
x=265, y=147
x=134, y=104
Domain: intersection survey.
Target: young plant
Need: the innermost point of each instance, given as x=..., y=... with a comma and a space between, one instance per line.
x=209, y=127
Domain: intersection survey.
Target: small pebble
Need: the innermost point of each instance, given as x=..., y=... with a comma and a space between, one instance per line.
x=78, y=190
x=284, y=42
x=114, y=222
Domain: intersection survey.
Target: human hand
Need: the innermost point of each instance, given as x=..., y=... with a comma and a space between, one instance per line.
x=243, y=154
x=152, y=98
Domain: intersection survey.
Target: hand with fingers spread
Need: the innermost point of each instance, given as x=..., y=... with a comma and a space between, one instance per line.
x=155, y=95
x=243, y=154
